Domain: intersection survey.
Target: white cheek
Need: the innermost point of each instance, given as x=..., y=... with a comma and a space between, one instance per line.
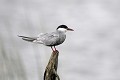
x=62, y=29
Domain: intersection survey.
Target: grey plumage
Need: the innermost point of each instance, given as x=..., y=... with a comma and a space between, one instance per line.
x=29, y=39
x=50, y=39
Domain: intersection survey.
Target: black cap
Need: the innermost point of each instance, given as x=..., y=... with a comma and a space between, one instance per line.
x=62, y=26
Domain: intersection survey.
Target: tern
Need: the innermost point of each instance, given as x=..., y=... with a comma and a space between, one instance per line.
x=50, y=39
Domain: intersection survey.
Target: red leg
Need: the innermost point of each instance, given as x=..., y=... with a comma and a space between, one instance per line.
x=52, y=49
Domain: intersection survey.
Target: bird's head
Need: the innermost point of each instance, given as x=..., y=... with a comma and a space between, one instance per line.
x=64, y=28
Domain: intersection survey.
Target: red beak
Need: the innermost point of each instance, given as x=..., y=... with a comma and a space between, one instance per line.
x=70, y=29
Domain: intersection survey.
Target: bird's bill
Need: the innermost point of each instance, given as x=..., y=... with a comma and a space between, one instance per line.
x=70, y=29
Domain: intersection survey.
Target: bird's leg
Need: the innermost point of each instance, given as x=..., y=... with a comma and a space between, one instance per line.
x=52, y=49
x=55, y=48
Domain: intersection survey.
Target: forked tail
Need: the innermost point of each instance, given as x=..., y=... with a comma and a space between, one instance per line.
x=29, y=39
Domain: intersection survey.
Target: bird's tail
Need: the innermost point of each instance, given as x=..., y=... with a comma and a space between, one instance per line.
x=29, y=39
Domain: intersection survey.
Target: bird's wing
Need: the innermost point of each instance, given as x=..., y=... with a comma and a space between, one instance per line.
x=40, y=38
x=48, y=38
x=40, y=34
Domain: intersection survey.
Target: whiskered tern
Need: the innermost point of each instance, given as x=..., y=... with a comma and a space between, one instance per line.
x=50, y=39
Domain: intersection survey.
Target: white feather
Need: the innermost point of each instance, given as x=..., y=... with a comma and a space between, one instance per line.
x=62, y=29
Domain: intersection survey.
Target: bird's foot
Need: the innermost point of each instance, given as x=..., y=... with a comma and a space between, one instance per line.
x=55, y=50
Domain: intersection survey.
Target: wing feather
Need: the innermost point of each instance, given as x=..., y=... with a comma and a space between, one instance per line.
x=48, y=39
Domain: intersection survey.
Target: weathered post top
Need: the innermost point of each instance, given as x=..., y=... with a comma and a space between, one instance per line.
x=51, y=69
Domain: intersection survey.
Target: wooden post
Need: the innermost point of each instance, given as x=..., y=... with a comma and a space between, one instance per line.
x=51, y=69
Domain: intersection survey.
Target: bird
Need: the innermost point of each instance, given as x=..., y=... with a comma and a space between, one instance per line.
x=50, y=39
